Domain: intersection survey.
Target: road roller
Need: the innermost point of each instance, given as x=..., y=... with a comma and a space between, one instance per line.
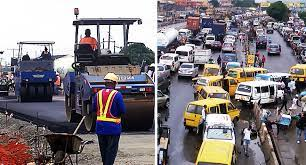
x=90, y=66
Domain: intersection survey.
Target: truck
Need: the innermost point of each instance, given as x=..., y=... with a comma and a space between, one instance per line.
x=219, y=29
x=202, y=56
x=193, y=24
x=167, y=38
x=207, y=22
x=90, y=66
x=34, y=78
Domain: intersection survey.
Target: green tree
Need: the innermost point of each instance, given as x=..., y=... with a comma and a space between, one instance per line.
x=302, y=15
x=279, y=11
x=138, y=52
x=215, y=3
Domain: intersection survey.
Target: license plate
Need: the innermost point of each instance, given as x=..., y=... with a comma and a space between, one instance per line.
x=142, y=89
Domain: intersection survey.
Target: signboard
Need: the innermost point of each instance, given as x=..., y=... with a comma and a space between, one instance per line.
x=250, y=59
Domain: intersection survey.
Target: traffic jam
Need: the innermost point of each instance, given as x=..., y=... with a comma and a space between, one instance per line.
x=213, y=72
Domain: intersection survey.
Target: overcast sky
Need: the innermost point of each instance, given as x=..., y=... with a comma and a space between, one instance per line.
x=23, y=20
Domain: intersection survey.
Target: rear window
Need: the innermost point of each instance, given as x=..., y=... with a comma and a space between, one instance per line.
x=202, y=82
x=229, y=58
x=186, y=66
x=295, y=38
x=212, y=71
x=210, y=38
x=219, y=133
x=227, y=44
x=232, y=74
x=181, y=53
x=194, y=109
x=244, y=88
x=218, y=95
x=297, y=71
x=166, y=58
x=160, y=68
x=273, y=46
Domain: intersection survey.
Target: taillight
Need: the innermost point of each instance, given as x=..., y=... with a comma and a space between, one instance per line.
x=95, y=90
x=148, y=89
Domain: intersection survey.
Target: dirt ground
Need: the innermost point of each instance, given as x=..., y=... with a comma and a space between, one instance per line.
x=134, y=148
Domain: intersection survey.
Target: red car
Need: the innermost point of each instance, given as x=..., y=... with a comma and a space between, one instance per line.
x=216, y=45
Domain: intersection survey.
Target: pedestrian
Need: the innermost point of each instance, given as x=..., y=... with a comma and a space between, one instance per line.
x=284, y=101
x=219, y=60
x=295, y=103
x=202, y=122
x=301, y=126
x=263, y=60
x=57, y=84
x=292, y=86
x=246, y=140
x=278, y=118
x=109, y=106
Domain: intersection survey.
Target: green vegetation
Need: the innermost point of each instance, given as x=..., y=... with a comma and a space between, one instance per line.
x=302, y=15
x=279, y=11
x=138, y=52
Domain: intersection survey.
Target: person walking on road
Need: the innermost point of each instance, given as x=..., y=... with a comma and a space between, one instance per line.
x=284, y=101
x=219, y=60
x=278, y=118
x=263, y=60
x=109, y=106
x=301, y=126
x=246, y=140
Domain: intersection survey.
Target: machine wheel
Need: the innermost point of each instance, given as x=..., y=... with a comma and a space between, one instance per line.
x=90, y=120
x=32, y=92
x=59, y=157
x=22, y=94
x=49, y=93
x=72, y=116
x=41, y=92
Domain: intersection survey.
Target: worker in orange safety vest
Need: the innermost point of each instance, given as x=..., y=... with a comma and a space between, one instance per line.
x=57, y=84
x=109, y=106
x=89, y=40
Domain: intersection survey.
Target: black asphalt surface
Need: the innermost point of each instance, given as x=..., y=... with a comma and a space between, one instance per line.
x=184, y=145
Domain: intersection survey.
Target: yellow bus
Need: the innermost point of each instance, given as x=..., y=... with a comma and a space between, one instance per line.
x=246, y=74
x=298, y=73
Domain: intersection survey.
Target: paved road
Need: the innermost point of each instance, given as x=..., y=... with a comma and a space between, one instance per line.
x=184, y=145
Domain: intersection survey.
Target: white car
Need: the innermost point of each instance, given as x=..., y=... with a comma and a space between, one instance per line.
x=186, y=53
x=228, y=47
x=229, y=38
x=209, y=39
x=170, y=59
x=219, y=127
x=163, y=70
x=188, y=70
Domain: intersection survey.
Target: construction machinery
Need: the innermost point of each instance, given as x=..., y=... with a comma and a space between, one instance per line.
x=34, y=78
x=91, y=66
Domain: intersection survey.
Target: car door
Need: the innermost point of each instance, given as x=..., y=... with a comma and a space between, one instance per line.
x=232, y=111
x=167, y=71
x=160, y=100
x=265, y=94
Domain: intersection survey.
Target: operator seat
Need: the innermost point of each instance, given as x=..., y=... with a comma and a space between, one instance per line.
x=85, y=53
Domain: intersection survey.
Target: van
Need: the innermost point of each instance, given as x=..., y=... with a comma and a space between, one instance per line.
x=219, y=127
x=298, y=73
x=259, y=91
x=193, y=112
x=202, y=56
x=276, y=77
x=170, y=59
x=186, y=53
x=211, y=70
x=246, y=74
x=212, y=92
x=209, y=39
x=217, y=152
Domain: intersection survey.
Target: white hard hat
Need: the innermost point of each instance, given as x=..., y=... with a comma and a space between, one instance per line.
x=112, y=77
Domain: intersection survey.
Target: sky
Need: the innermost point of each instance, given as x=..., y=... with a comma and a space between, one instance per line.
x=35, y=20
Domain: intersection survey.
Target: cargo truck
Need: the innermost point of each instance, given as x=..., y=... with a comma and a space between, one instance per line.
x=193, y=24
x=219, y=29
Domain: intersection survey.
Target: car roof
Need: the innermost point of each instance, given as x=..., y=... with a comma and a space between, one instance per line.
x=278, y=74
x=184, y=30
x=215, y=151
x=302, y=66
x=258, y=83
x=170, y=54
x=229, y=54
x=184, y=48
x=247, y=69
x=211, y=66
x=213, y=119
x=210, y=102
x=214, y=89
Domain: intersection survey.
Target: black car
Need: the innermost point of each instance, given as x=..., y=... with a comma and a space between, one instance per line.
x=4, y=87
x=261, y=41
x=163, y=84
x=270, y=31
x=216, y=45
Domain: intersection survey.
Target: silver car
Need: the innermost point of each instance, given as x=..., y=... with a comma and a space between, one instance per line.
x=163, y=100
x=163, y=70
x=188, y=70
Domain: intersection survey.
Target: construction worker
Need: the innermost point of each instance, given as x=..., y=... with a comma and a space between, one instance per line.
x=57, y=84
x=26, y=57
x=109, y=106
x=89, y=40
x=45, y=55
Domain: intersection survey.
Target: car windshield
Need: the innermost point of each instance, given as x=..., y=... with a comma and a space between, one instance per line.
x=212, y=71
x=202, y=81
x=232, y=66
x=182, y=33
x=297, y=71
x=219, y=133
x=262, y=77
x=232, y=74
x=194, y=109
x=262, y=38
x=186, y=66
x=273, y=46
x=244, y=88
x=160, y=68
x=295, y=38
x=229, y=58
x=182, y=53
x=166, y=58
x=218, y=95
x=210, y=38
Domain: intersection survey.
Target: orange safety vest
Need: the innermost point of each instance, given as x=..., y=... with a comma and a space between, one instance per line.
x=105, y=100
x=89, y=40
x=58, y=81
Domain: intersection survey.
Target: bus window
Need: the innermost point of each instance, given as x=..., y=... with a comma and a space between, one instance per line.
x=223, y=108
x=249, y=74
x=213, y=109
x=242, y=75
